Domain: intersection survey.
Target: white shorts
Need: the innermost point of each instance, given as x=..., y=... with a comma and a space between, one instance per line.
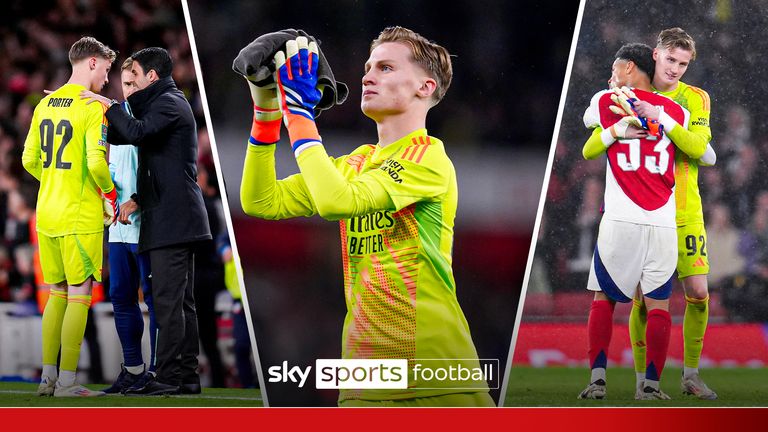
x=629, y=254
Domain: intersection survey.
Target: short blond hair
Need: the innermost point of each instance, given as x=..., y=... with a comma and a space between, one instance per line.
x=676, y=38
x=433, y=58
x=127, y=64
x=87, y=47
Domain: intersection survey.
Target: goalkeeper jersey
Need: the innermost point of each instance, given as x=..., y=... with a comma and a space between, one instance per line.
x=687, y=196
x=398, y=282
x=65, y=150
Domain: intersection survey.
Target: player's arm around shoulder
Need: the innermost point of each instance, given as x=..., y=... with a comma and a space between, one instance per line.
x=693, y=139
x=598, y=142
x=595, y=146
x=700, y=109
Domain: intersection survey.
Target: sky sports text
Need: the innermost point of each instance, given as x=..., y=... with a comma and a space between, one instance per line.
x=392, y=374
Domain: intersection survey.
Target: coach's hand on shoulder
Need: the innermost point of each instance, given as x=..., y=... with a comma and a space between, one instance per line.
x=95, y=97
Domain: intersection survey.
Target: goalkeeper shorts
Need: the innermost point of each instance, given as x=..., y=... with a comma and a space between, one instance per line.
x=71, y=258
x=692, y=250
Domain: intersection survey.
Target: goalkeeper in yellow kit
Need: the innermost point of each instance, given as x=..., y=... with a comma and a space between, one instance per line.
x=65, y=150
x=674, y=51
x=395, y=202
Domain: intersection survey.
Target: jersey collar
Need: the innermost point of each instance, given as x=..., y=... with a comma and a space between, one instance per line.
x=417, y=137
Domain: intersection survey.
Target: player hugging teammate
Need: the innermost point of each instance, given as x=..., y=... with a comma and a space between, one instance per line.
x=651, y=198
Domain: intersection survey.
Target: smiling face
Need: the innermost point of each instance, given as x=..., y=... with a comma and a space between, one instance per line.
x=671, y=64
x=99, y=67
x=393, y=83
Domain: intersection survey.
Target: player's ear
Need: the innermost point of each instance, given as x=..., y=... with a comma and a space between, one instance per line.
x=630, y=67
x=655, y=54
x=92, y=63
x=427, y=88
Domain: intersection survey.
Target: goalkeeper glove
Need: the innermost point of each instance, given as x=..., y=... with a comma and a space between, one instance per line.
x=266, y=114
x=619, y=129
x=111, y=208
x=296, y=77
x=625, y=98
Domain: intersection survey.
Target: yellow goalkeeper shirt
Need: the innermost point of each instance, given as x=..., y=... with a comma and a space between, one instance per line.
x=396, y=207
x=687, y=196
x=65, y=150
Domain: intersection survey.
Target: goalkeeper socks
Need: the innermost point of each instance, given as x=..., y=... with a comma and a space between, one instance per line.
x=67, y=378
x=53, y=316
x=73, y=329
x=638, y=320
x=50, y=371
x=600, y=327
x=694, y=327
x=657, y=337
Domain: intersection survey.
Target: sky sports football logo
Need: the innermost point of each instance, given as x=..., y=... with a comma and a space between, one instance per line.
x=424, y=374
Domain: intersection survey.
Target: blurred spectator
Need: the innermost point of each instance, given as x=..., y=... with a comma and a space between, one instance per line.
x=754, y=242
x=722, y=245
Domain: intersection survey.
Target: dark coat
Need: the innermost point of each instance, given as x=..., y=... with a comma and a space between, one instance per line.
x=163, y=127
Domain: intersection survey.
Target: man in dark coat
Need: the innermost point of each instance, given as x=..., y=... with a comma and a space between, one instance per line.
x=173, y=215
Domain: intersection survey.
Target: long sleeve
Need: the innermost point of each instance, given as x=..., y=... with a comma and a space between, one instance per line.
x=693, y=140
x=594, y=147
x=95, y=150
x=335, y=196
x=125, y=129
x=263, y=196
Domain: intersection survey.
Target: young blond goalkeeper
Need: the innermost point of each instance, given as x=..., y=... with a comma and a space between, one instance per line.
x=675, y=49
x=395, y=202
x=65, y=150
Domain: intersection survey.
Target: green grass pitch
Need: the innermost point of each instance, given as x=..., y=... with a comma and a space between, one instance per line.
x=559, y=386
x=14, y=394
